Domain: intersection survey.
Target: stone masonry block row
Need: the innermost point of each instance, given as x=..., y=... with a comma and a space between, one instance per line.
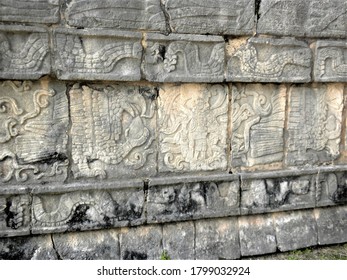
x=223, y=238
x=132, y=56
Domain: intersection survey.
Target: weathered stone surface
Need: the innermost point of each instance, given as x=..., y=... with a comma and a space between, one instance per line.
x=113, y=131
x=87, y=210
x=33, y=125
x=332, y=225
x=178, y=240
x=268, y=60
x=211, y=16
x=312, y=18
x=257, y=235
x=141, y=243
x=330, y=61
x=27, y=248
x=193, y=127
x=24, y=52
x=195, y=200
x=258, y=114
x=92, y=245
x=32, y=11
x=118, y=14
x=295, y=230
x=184, y=58
x=331, y=189
x=217, y=239
x=314, y=125
x=97, y=55
x=270, y=195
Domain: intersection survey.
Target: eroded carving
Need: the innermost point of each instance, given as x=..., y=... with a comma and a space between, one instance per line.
x=331, y=189
x=193, y=127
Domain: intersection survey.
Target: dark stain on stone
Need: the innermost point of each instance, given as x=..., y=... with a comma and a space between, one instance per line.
x=133, y=255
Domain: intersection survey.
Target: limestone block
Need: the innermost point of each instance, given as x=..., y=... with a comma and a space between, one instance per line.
x=331, y=189
x=211, y=16
x=113, y=130
x=116, y=14
x=31, y=11
x=257, y=235
x=24, y=52
x=33, y=131
x=92, y=245
x=83, y=210
x=14, y=215
x=331, y=224
x=277, y=194
x=193, y=127
x=258, y=114
x=268, y=60
x=141, y=243
x=97, y=55
x=314, y=125
x=195, y=200
x=178, y=240
x=295, y=230
x=312, y=18
x=331, y=61
x=184, y=58
x=217, y=239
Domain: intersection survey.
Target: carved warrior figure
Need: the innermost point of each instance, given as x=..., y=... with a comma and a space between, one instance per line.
x=107, y=124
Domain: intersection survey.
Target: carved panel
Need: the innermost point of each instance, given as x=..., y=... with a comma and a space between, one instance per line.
x=41, y=11
x=113, y=130
x=119, y=14
x=331, y=189
x=331, y=61
x=258, y=113
x=184, y=58
x=14, y=215
x=193, y=127
x=278, y=194
x=195, y=200
x=211, y=16
x=315, y=18
x=97, y=55
x=269, y=60
x=33, y=124
x=87, y=210
x=24, y=52
x=314, y=125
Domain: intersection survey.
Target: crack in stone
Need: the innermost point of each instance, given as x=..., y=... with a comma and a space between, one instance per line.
x=167, y=17
x=55, y=249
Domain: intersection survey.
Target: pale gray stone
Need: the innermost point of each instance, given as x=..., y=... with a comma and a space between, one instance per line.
x=330, y=61
x=295, y=230
x=257, y=235
x=310, y=18
x=97, y=55
x=211, y=16
x=178, y=240
x=331, y=189
x=184, y=58
x=217, y=239
x=268, y=60
x=24, y=52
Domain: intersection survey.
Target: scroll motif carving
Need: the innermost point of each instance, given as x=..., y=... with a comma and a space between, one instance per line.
x=193, y=127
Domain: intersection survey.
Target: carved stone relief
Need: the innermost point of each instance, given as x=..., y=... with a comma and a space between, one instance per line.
x=331, y=61
x=331, y=189
x=33, y=126
x=314, y=18
x=193, y=127
x=211, y=16
x=269, y=60
x=24, y=52
x=98, y=55
x=314, y=124
x=120, y=14
x=113, y=130
x=258, y=114
x=184, y=58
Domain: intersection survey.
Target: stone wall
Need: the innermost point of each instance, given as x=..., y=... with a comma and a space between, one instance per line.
x=207, y=129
